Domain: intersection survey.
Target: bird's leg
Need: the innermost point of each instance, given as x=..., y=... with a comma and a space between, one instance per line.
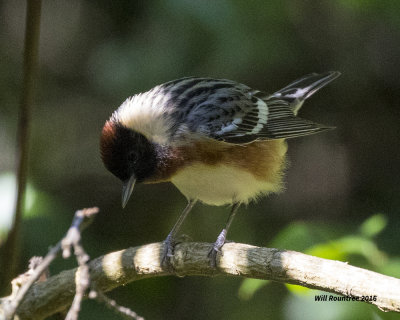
x=169, y=242
x=222, y=236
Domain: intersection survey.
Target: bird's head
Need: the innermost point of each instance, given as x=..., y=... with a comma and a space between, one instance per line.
x=127, y=154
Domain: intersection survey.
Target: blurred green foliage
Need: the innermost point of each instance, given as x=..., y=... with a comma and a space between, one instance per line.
x=358, y=248
x=93, y=55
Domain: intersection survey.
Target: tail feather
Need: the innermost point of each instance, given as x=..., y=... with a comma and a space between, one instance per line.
x=296, y=92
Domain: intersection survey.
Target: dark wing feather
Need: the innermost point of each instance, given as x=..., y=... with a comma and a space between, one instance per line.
x=232, y=112
x=281, y=124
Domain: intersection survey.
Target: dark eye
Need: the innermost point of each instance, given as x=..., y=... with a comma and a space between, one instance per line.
x=132, y=156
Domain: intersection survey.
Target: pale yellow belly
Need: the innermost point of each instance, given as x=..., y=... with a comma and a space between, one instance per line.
x=221, y=184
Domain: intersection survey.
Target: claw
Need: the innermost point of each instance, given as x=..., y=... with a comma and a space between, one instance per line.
x=213, y=257
x=168, y=253
x=217, y=248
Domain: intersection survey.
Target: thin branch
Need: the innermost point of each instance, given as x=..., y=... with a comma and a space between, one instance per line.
x=121, y=267
x=32, y=31
x=82, y=219
x=113, y=305
x=73, y=240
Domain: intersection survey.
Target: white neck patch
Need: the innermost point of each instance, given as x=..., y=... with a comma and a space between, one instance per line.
x=148, y=114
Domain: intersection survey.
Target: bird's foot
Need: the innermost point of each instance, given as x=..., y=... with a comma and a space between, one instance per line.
x=217, y=248
x=168, y=252
x=169, y=247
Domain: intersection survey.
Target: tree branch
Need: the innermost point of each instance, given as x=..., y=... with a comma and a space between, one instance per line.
x=118, y=268
x=10, y=248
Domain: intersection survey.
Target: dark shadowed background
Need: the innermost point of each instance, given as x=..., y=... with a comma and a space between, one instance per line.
x=342, y=195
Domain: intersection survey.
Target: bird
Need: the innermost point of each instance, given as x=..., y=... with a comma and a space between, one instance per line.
x=218, y=141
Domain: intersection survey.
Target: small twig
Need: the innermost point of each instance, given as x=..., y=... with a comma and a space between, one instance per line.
x=19, y=281
x=112, y=304
x=19, y=296
x=73, y=239
x=81, y=220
